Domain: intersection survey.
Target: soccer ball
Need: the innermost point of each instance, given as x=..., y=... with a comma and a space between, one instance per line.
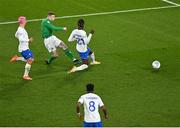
x=156, y=64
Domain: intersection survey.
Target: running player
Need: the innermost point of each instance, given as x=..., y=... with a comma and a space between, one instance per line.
x=24, y=40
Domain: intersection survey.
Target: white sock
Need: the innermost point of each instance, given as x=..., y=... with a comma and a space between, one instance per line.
x=27, y=69
x=82, y=67
x=92, y=57
x=21, y=59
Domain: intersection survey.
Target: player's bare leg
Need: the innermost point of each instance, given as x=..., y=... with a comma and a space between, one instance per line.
x=17, y=58
x=27, y=69
x=80, y=68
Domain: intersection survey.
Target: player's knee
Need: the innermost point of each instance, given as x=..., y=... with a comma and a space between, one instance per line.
x=63, y=46
x=55, y=54
x=30, y=61
x=85, y=62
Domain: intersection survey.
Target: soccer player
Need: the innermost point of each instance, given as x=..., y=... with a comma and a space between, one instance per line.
x=82, y=41
x=51, y=42
x=27, y=55
x=92, y=103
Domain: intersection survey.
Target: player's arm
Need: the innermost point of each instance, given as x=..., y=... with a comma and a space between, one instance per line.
x=104, y=111
x=78, y=106
x=52, y=27
x=103, y=108
x=31, y=39
x=71, y=37
x=89, y=36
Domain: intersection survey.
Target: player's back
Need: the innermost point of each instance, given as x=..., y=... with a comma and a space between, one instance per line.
x=79, y=33
x=81, y=37
x=91, y=102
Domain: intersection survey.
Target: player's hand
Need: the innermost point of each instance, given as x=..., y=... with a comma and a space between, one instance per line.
x=92, y=31
x=65, y=28
x=79, y=116
x=30, y=39
x=106, y=117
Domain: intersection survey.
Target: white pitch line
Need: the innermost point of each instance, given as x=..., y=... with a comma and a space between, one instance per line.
x=98, y=14
x=170, y=2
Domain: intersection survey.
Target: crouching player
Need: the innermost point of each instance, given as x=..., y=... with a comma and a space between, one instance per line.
x=23, y=48
x=82, y=41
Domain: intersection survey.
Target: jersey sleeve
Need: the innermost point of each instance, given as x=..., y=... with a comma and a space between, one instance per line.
x=81, y=100
x=87, y=38
x=72, y=37
x=52, y=27
x=100, y=102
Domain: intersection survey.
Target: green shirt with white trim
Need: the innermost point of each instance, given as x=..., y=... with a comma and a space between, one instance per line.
x=47, y=28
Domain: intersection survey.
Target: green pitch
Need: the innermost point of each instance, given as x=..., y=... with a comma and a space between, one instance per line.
x=125, y=43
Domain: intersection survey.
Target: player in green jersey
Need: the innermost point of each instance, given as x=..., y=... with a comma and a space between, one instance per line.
x=51, y=42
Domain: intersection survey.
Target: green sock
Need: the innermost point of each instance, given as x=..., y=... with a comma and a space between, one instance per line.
x=51, y=58
x=69, y=54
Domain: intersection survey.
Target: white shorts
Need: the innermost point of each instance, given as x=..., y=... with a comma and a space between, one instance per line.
x=52, y=43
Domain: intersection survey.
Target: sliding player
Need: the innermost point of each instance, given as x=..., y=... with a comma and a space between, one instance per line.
x=82, y=41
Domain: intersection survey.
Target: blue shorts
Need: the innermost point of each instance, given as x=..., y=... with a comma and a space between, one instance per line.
x=85, y=55
x=94, y=124
x=27, y=54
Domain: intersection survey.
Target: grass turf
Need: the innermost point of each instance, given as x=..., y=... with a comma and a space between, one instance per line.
x=125, y=43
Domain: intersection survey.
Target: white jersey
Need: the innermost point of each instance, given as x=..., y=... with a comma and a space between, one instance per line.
x=91, y=102
x=82, y=40
x=23, y=38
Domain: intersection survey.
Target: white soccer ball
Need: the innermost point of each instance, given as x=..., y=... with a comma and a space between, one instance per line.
x=156, y=64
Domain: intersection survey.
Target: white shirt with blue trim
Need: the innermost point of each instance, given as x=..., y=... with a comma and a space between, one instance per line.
x=91, y=102
x=22, y=35
x=82, y=39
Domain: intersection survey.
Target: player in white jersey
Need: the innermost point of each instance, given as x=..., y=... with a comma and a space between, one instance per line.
x=27, y=55
x=82, y=41
x=92, y=103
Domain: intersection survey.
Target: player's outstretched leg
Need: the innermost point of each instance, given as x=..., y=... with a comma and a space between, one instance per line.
x=17, y=58
x=69, y=53
x=50, y=59
x=71, y=56
x=80, y=68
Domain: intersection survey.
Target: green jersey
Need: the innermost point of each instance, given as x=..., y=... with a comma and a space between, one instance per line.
x=47, y=28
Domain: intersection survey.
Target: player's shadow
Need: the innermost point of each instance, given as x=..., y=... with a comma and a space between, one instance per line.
x=47, y=71
x=155, y=71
